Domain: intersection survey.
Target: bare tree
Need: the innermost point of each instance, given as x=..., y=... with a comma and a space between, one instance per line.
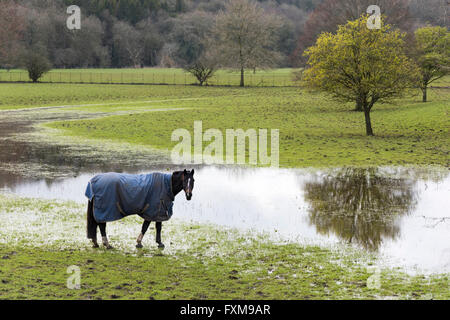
x=152, y=41
x=204, y=67
x=167, y=55
x=201, y=71
x=245, y=36
x=189, y=32
x=37, y=65
x=129, y=44
x=11, y=28
x=434, y=12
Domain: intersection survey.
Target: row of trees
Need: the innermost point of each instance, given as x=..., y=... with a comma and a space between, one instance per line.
x=134, y=33
x=124, y=33
x=406, y=15
x=244, y=37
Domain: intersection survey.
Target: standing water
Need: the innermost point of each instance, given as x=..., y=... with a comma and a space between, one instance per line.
x=399, y=213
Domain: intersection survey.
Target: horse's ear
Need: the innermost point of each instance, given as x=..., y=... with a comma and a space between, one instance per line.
x=192, y=172
x=185, y=171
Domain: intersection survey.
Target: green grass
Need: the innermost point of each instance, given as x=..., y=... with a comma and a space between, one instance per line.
x=15, y=96
x=264, y=78
x=300, y=273
x=315, y=131
x=200, y=262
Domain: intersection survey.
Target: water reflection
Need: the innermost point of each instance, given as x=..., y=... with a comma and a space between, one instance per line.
x=359, y=205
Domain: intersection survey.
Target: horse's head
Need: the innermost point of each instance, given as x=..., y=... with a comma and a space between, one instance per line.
x=188, y=183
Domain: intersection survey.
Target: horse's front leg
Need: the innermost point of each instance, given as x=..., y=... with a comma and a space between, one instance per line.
x=158, y=235
x=145, y=226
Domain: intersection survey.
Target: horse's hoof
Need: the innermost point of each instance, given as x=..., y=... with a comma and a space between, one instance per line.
x=139, y=246
x=161, y=245
x=109, y=247
x=95, y=246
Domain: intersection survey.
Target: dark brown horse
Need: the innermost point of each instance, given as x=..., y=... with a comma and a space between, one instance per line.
x=181, y=180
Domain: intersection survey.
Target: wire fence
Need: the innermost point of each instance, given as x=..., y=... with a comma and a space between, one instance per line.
x=155, y=78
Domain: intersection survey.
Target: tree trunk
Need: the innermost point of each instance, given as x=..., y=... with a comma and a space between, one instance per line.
x=359, y=105
x=369, y=130
x=242, y=77
x=424, y=91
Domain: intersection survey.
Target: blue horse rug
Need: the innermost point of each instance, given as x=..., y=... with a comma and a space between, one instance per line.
x=118, y=195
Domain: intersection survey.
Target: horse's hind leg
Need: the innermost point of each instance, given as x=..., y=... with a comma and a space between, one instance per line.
x=141, y=235
x=158, y=235
x=91, y=225
x=104, y=237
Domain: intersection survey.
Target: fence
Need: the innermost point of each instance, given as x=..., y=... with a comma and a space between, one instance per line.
x=266, y=79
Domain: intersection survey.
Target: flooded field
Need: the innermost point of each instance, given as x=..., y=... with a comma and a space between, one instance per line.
x=387, y=211
x=398, y=213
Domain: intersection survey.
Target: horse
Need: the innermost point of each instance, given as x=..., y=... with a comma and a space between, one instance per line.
x=175, y=183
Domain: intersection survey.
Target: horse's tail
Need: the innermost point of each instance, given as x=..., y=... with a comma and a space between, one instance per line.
x=91, y=223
